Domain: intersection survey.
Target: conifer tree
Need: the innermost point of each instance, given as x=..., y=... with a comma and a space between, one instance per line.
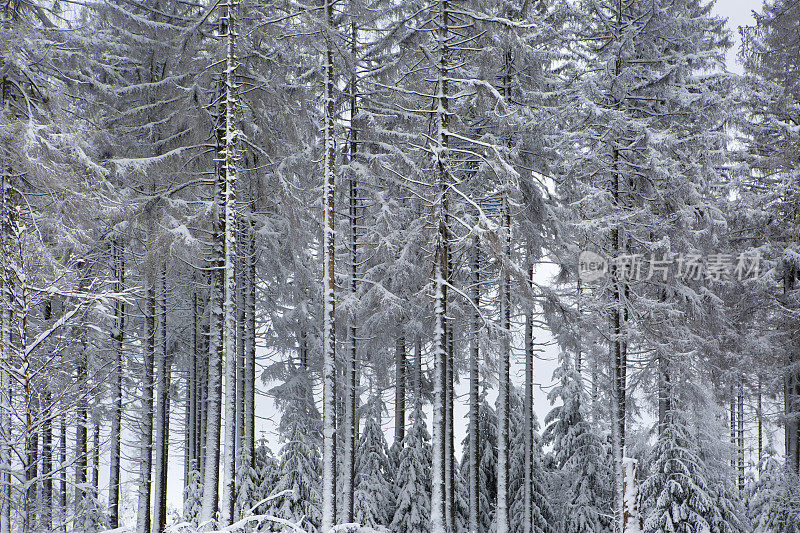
x=412, y=479
x=299, y=462
x=374, y=496
x=579, y=453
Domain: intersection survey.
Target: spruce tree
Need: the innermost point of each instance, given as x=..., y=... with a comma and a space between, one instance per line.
x=374, y=497
x=543, y=518
x=299, y=468
x=413, y=479
x=579, y=453
x=682, y=494
x=774, y=499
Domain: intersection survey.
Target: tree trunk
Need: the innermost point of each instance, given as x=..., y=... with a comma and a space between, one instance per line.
x=740, y=433
x=146, y=423
x=7, y=212
x=117, y=339
x=760, y=422
x=791, y=384
x=162, y=414
x=450, y=462
x=46, y=504
x=62, y=464
x=351, y=413
x=229, y=297
x=474, y=354
x=438, y=468
x=400, y=391
x=204, y=340
x=504, y=377
x=250, y=346
x=95, y=463
x=329, y=280
x=617, y=346
x=664, y=393
x=734, y=455
x=190, y=446
x=527, y=520
x=32, y=461
x=241, y=326
x=81, y=438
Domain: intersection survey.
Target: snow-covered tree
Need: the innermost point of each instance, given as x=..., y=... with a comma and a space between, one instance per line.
x=677, y=494
x=374, y=495
x=299, y=461
x=541, y=509
x=412, y=480
x=584, y=479
x=773, y=503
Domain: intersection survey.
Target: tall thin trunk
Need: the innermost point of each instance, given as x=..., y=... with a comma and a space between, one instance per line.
x=46, y=504
x=791, y=393
x=241, y=326
x=203, y=381
x=400, y=390
x=250, y=346
x=81, y=436
x=579, y=351
x=663, y=392
x=117, y=338
x=162, y=413
x=618, y=358
x=527, y=520
x=32, y=462
x=504, y=377
x=437, y=515
x=617, y=346
x=734, y=455
x=7, y=212
x=474, y=354
x=146, y=424
x=62, y=464
x=213, y=387
x=740, y=432
x=760, y=423
x=350, y=415
x=229, y=302
x=595, y=388
x=204, y=350
x=449, y=450
x=162, y=501
x=329, y=280
x=418, y=372
x=190, y=446
x=95, y=462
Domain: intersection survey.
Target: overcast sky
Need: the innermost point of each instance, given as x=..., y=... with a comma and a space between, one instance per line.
x=739, y=13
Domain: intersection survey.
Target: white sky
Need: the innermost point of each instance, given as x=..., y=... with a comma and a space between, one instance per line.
x=739, y=13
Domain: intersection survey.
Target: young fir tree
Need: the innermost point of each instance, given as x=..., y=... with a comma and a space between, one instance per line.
x=413, y=479
x=541, y=510
x=265, y=468
x=257, y=482
x=487, y=464
x=774, y=499
x=192, y=495
x=580, y=455
x=374, y=497
x=677, y=496
x=299, y=469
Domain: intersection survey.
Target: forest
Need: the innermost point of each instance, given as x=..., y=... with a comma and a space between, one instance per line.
x=407, y=266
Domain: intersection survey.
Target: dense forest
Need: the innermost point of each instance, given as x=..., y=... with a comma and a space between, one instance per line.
x=373, y=217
